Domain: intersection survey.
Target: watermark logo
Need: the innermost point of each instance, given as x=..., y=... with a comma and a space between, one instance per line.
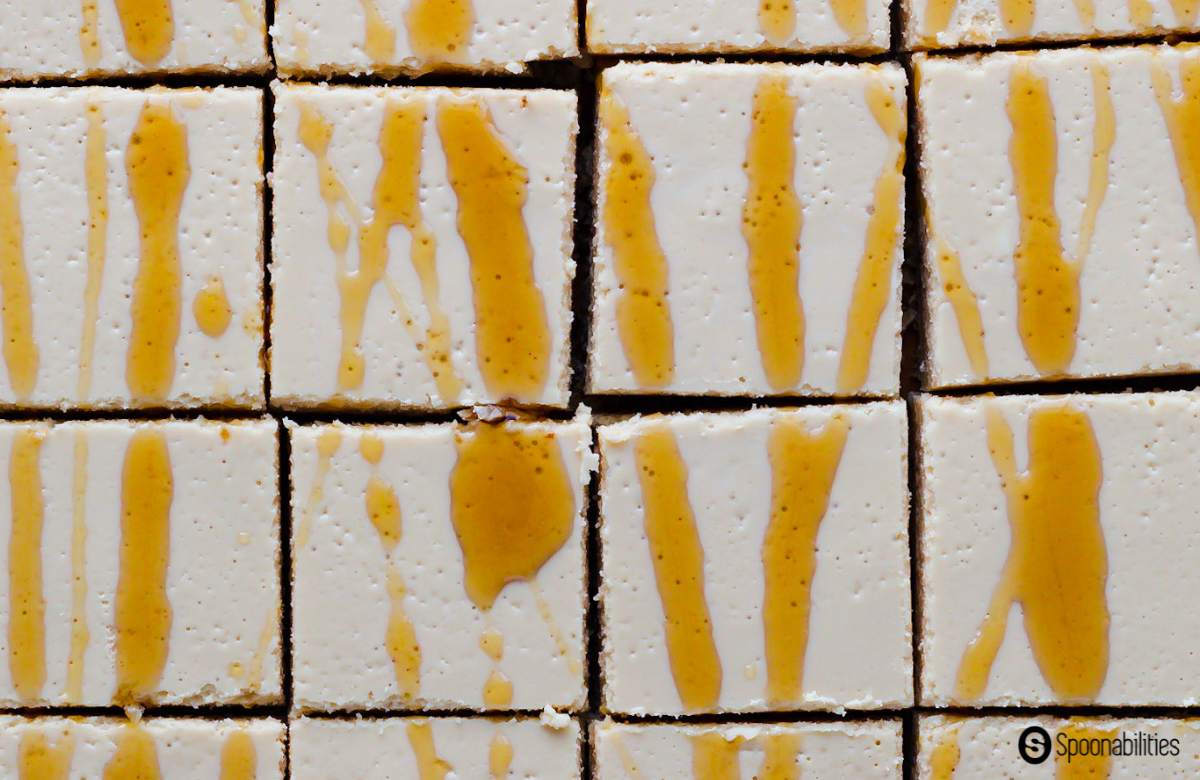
x=1034, y=745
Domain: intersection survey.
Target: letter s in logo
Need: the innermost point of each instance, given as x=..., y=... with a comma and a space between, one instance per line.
x=1034, y=745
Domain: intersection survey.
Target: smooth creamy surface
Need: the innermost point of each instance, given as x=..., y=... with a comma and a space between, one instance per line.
x=986, y=748
x=219, y=536
x=1104, y=190
x=825, y=751
x=940, y=23
x=365, y=567
x=179, y=749
x=859, y=593
x=689, y=134
x=112, y=253
x=1138, y=540
x=699, y=26
x=101, y=37
x=500, y=243
x=402, y=748
x=327, y=36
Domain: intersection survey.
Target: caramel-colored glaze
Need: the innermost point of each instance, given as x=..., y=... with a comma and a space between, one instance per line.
x=143, y=609
x=803, y=468
x=502, y=471
x=211, y=309
x=1047, y=281
x=239, y=759
x=1083, y=767
x=777, y=20
x=1087, y=13
x=771, y=223
x=962, y=299
x=497, y=690
x=440, y=30
x=1141, y=13
x=1017, y=16
x=1185, y=11
x=89, y=32
x=627, y=762
x=500, y=756
x=327, y=446
x=512, y=332
x=1057, y=563
x=937, y=18
x=1104, y=135
x=379, y=39
x=158, y=169
x=781, y=754
x=80, y=633
x=149, y=27
x=714, y=757
x=429, y=766
x=254, y=671
x=26, y=599
x=16, y=310
x=556, y=634
x=943, y=760
x=136, y=757
x=851, y=16
x=872, y=288
x=678, y=558
x=1183, y=123
x=643, y=314
x=40, y=759
x=491, y=642
x=95, y=168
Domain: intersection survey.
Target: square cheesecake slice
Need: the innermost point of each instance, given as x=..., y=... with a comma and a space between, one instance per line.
x=439, y=566
x=983, y=748
x=398, y=748
x=1057, y=548
x=120, y=38
x=131, y=227
x=175, y=748
x=391, y=37
x=403, y=274
x=864, y=750
x=696, y=26
x=142, y=563
x=1063, y=213
x=749, y=230
x=744, y=553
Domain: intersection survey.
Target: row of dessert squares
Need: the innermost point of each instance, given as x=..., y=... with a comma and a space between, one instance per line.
x=749, y=561
x=322, y=37
x=976, y=748
x=747, y=222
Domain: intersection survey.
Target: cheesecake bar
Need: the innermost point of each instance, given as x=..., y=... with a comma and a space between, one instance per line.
x=743, y=553
x=400, y=748
x=864, y=750
x=142, y=563
x=439, y=566
x=749, y=229
x=390, y=37
x=1062, y=205
x=1057, y=546
x=131, y=233
x=983, y=748
x=122, y=38
x=180, y=749
x=935, y=24
x=422, y=246
x=775, y=26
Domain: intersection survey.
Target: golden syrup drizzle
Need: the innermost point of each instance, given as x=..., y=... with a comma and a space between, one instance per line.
x=136, y=757
x=714, y=757
x=777, y=20
x=158, y=170
x=871, y=286
x=1017, y=15
x=1104, y=135
x=149, y=28
x=643, y=313
x=1047, y=282
x=771, y=223
x=239, y=759
x=211, y=309
x=16, y=312
x=80, y=634
x=1057, y=563
x=512, y=332
x=1141, y=13
x=1185, y=11
x=937, y=18
x=803, y=468
x=627, y=762
x=497, y=690
x=943, y=761
x=26, y=599
x=143, y=609
x=500, y=756
x=1083, y=767
x=89, y=33
x=556, y=634
x=962, y=299
x=39, y=759
x=781, y=753
x=327, y=445
x=678, y=559
x=491, y=642
x=440, y=30
x=254, y=670
x=379, y=39
x=429, y=766
x=1183, y=123
x=1087, y=13
x=851, y=16
x=96, y=177
x=383, y=510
